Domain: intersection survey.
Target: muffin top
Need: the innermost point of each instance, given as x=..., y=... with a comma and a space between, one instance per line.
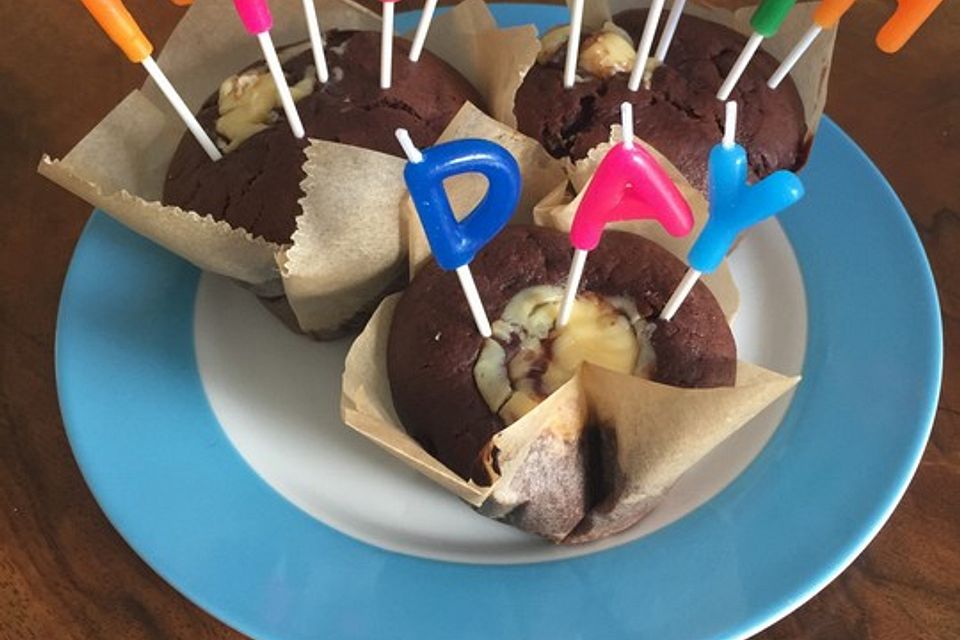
x=447, y=382
x=676, y=111
x=256, y=185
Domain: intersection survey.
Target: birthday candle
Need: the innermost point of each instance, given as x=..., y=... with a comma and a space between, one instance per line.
x=646, y=43
x=904, y=22
x=386, y=44
x=316, y=40
x=256, y=18
x=734, y=206
x=766, y=21
x=120, y=26
x=669, y=29
x=825, y=16
x=628, y=184
x=423, y=27
x=454, y=244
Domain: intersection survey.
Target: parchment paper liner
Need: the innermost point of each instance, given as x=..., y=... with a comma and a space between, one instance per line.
x=810, y=75
x=121, y=164
x=545, y=476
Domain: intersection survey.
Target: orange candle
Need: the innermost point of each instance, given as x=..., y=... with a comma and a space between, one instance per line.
x=904, y=22
x=120, y=26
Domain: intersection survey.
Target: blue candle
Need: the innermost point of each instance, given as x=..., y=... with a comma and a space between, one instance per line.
x=734, y=206
x=455, y=243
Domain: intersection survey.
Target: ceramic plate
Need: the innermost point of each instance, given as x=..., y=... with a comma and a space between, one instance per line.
x=210, y=436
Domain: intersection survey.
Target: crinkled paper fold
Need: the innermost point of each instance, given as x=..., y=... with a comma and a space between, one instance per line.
x=645, y=434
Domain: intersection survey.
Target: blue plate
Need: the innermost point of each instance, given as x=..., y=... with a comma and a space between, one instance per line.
x=160, y=466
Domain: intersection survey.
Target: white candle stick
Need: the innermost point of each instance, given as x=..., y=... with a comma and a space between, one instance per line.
x=646, y=44
x=669, y=29
x=286, y=99
x=423, y=27
x=680, y=294
x=692, y=275
x=580, y=255
x=626, y=124
x=463, y=273
x=573, y=44
x=386, y=46
x=316, y=40
x=573, y=283
x=794, y=56
x=739, y=66
x=730, y=125
x=409, y=149
x=181, y=108
x=473, y=300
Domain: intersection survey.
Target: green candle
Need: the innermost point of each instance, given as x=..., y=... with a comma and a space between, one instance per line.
x=770, y=15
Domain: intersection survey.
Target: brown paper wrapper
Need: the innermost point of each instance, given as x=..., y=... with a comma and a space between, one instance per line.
x=557, y=209
x=347, y=248
x=119, y=167
x=327, y=276
x=647, y=435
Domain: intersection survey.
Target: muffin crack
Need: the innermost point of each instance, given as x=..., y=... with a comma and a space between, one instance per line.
x=396, y=104
x=569, y=133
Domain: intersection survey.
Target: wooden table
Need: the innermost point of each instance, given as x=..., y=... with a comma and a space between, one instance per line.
x=65, y=573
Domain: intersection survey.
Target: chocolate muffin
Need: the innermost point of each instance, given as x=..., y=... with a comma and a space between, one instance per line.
x=447, y=382
x=676, y=111
x=256, y=185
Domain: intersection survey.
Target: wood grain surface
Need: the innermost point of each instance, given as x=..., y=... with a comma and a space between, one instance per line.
x=65, y=573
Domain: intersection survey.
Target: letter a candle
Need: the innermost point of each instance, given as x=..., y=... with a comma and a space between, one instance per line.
x=454, y=244
x=256, y=18
x=120, y=26
x=734, y=206
x=629, y=184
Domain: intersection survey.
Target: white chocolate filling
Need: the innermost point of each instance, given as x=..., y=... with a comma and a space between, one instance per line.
x=603, y=54
x=248, y=103
x=607, y=53
x=607, y=332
